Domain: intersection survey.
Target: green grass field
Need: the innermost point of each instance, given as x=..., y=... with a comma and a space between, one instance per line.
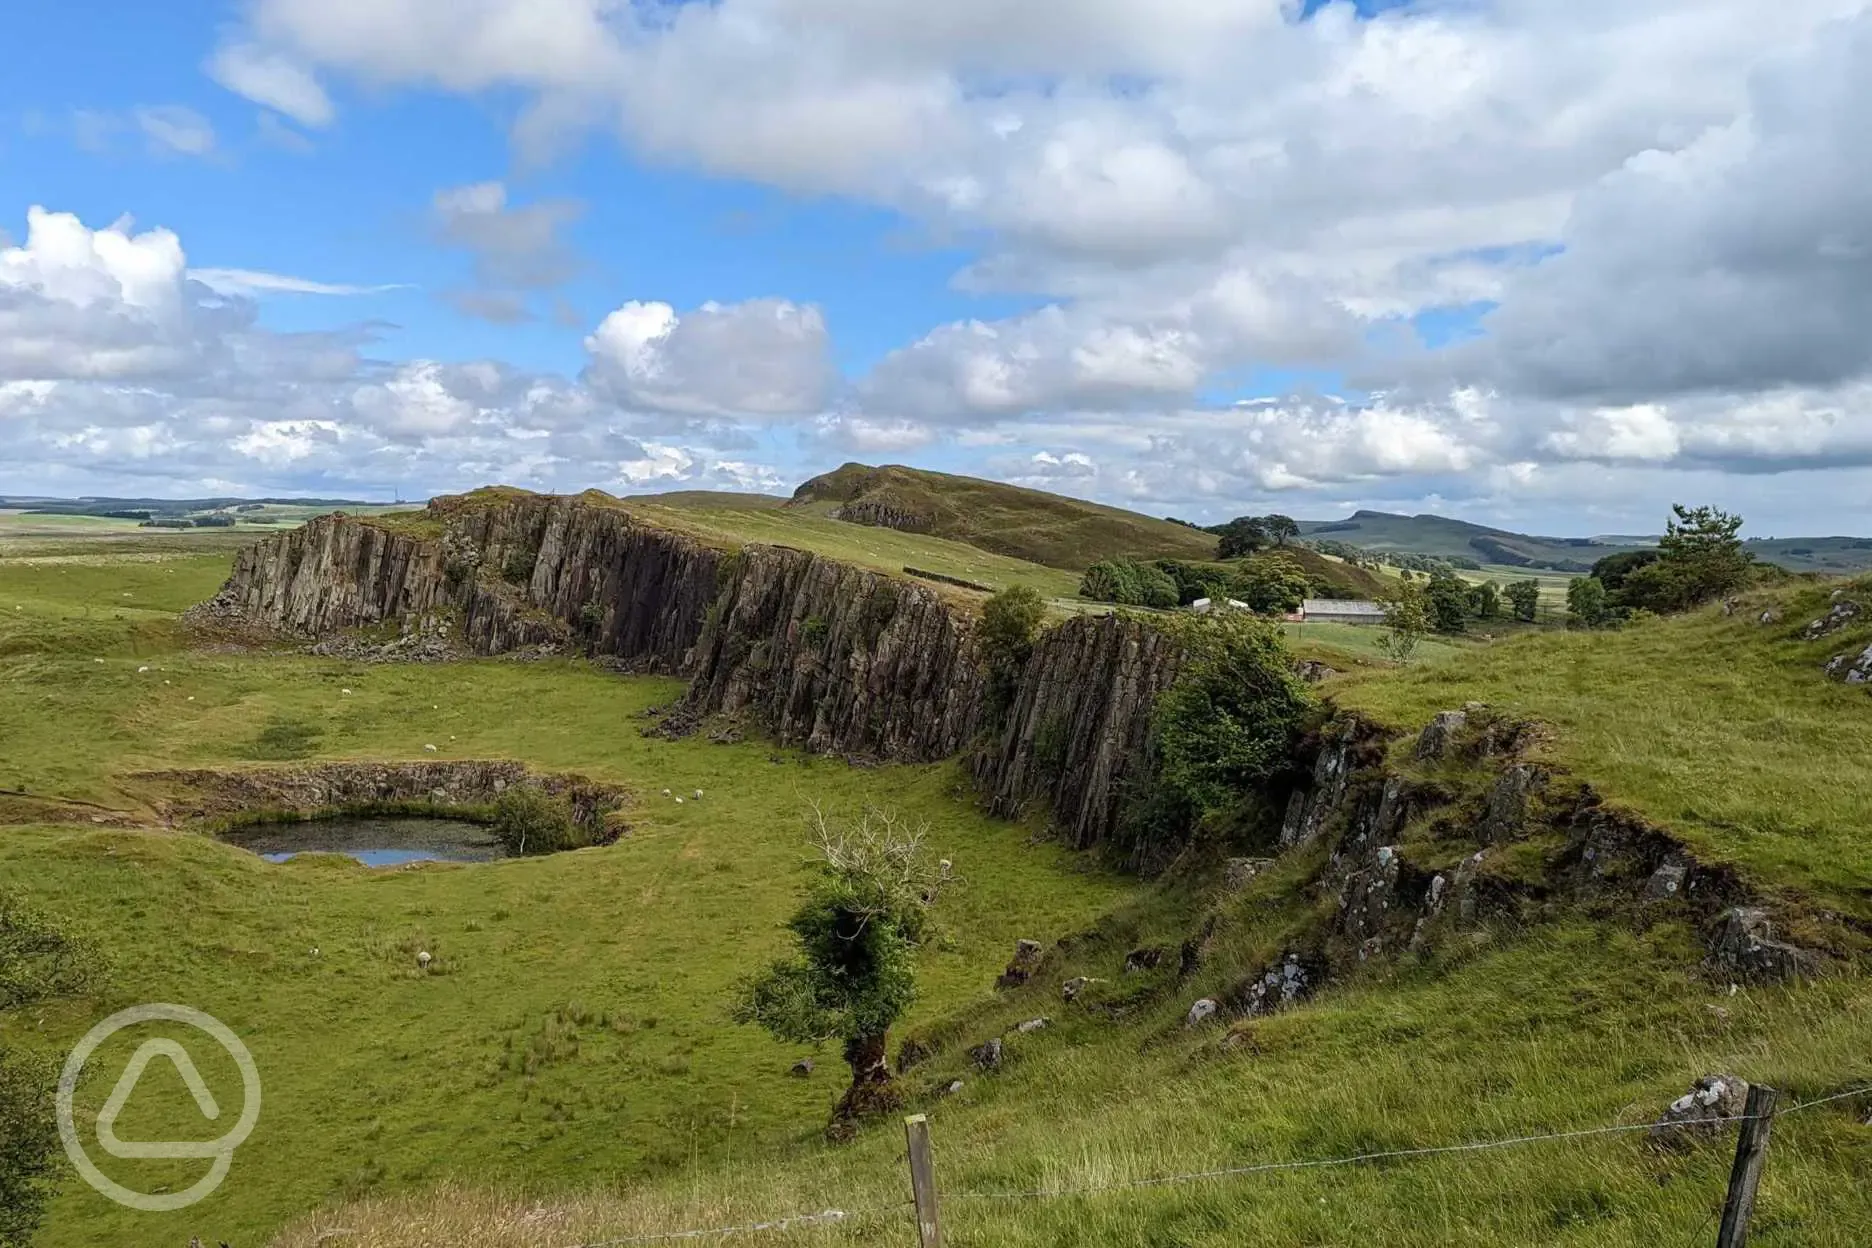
x=567, y=1073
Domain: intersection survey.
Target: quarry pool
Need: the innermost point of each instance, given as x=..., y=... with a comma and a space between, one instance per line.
x=373, y=842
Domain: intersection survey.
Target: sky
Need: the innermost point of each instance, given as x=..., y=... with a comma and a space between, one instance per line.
x=1545, y=264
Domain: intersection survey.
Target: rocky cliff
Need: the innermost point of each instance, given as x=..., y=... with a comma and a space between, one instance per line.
x=838, y=659
x=827, y=656
x=496, y=570
x=1076, y=733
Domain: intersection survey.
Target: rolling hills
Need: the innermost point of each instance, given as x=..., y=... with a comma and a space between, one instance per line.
x=1043, y=528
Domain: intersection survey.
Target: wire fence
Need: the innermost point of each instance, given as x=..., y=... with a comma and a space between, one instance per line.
x=830, y=1217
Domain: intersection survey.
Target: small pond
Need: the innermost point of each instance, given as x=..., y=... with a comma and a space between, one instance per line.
x=373, y=842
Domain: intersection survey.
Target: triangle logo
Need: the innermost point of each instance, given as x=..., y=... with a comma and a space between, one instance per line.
x=126, y=1086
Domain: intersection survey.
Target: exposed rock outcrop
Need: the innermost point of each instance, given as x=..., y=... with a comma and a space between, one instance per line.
x=1077, y=730
x=837, y=659
x=309, y=789
x=1854, y=669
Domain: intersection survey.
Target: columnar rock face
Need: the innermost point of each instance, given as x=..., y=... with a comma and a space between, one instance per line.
x=827, y=656
x=1079, y=725
x=521, y=571
x=838, y=659
x=332, y=573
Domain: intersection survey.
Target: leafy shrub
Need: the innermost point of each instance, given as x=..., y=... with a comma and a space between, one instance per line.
x=529, y=820
x=1129, y=583
x=518, y=567
x=1272, y=584
x=1229, y=721
x=1010, y=621
x=813, y=630
x=1524, y=597
x=1194, y=580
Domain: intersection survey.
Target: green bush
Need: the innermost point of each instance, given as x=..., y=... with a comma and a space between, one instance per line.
x=1129, y=583
x=1272, y=584
x=813, y=630
x=1230, y=720
x=1010, y=621
x=529, y=820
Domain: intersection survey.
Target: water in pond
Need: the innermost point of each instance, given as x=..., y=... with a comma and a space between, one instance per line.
x=374, y=842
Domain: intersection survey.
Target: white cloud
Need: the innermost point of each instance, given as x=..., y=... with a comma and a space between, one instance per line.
x=274, y=80
x=253, y=282
x=175, y=129
x=764, y=357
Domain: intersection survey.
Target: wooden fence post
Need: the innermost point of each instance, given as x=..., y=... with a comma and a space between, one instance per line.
x=923, y=1181
x=1751, y=1156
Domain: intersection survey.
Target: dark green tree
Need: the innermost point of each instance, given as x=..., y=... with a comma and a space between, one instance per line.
x=1449, y=603
x=529, y=820
x=1230, y=719
x=851, y=975
x=1272, y=584
x=1281, y=528
x=1128, y=583
x=1242, y=536
x=1586, y=602
x=1524, y=596
x=1700, y=557
x=1010, y=620
x=1485, y=600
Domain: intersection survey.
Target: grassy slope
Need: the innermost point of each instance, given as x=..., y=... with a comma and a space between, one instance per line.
x=1717, y=727
x=1043, y=528
x=1571, y=1026
x=374, y=1076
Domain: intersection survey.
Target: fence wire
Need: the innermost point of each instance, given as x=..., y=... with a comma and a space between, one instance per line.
x=837, y=1216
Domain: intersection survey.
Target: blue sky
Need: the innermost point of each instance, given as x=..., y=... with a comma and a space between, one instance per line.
x=1481, y=258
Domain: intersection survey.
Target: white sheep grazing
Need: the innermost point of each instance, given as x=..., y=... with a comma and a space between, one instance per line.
x=142, y=669
x=423, y=959
x=945, y=867
x=666, y=792
x=346, y=692
x=315, y=951
x=679, y=801
x=430, y=748
x=698, y=795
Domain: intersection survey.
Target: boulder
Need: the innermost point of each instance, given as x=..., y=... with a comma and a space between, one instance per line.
x=1313, y=671
x=1666, y=882
x=1770, y=616
x=1201, y=1012
x=954, y=1087
x=1506, y=810
x=802, y=1068
x=1438, y=739
x=1032, y=1025
x=1703, y=1113
x=1021, y=969
x=1073, y=987
x=1744, y=944
x=1139, y=960
x=987, y=1056
x=1279, y=986
x=1854, y=669
x=1843, y=612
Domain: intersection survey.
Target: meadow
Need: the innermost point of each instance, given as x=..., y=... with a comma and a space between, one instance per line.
x=566, y=1073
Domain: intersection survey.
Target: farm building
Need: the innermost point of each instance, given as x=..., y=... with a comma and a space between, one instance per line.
x=1202, y=606
x=1341, y=611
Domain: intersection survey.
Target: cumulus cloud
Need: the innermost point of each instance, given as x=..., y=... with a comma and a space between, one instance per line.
x=764, y=357
x=123, y=369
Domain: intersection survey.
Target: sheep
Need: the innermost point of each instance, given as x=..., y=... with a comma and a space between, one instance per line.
x=698, y=795
x=345, y=692
x=142, y=669
x=666, y=792
x=944, y=867
x=423, y=959
x=315, y=951
x=429, y=748
x=679, y=801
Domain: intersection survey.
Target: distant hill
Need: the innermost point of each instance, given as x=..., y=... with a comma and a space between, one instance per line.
x=164, y=506
x=1445, y=538
x=1043, y=528
x=1453, y=539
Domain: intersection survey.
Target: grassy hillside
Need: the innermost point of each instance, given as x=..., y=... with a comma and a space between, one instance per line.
x=1446, y=538
x=1452, y=539
x=570, y=1075
x=580, y=1030
x=1717, y=727
x=1033, y=525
